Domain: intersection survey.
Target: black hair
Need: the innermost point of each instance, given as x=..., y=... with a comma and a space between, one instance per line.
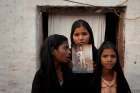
x=47, y=67
x=52, y=42
x=79, y=23
x=122, y=84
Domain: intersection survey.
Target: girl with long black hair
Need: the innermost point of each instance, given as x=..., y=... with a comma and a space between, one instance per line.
x=53, y=74
x=109, y=74
x=81, y=34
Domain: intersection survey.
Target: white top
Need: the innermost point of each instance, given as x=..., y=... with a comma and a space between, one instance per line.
x=61, y=82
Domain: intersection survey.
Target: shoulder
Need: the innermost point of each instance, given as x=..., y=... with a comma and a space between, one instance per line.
x=39, y=75
x=38, y=81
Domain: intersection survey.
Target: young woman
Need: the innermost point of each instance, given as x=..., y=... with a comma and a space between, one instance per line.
x=81, y=34
x=109, y=75
x=53, y=74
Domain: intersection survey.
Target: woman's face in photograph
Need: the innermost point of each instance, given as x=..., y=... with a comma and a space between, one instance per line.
x=108, y=58
x=81, y=36
x=62, y=53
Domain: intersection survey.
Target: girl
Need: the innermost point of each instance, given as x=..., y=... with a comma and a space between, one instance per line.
x=81, y=34
x=109, y=75
x=54, y=71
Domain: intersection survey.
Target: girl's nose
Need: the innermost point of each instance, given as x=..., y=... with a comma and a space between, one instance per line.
x=109, y=58
x=80, y=37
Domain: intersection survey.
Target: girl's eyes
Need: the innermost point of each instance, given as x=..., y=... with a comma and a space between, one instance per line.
x=112, y=56
x=66, y=47
x=84, y=33
x=104, y=56
x=77, y=34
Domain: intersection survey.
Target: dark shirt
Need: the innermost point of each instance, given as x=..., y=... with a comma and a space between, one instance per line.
x=40, y=85
x=81, y=82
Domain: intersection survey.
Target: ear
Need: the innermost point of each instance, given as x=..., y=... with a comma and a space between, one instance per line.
x=53, y=51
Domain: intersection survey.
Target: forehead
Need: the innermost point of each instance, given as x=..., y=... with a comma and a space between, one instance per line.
x=108, y=51
x=64, y=43
x=81, y=28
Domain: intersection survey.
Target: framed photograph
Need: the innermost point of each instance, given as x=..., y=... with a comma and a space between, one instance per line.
x=82, y=59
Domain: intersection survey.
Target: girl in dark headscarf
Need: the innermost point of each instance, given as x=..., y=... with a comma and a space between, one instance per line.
x=109, y=74
x=54, y=71
x=81, y=34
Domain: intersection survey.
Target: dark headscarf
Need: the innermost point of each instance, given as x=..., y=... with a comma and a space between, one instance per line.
x=122, y=85
x=46, y=80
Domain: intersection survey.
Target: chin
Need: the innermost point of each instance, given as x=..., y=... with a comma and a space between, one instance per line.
x=66, y=61
x=82, y=43
x=109, y=68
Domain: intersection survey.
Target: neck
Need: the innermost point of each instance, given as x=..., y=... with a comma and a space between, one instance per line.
x=58, y=71
x=108, y=74
x=57, y=66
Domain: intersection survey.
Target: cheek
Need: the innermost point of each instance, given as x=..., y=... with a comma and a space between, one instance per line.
x=62, y=54
x=114, y=61
x=102, y=63
x=102, y=60
x=87, y=38
x=74, y=38
x=59, y=56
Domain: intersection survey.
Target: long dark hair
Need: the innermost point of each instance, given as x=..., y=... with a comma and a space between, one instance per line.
x=122, y=84
x=79, y=23
x=47, y=63
x=52, y=42
x=45, y=80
